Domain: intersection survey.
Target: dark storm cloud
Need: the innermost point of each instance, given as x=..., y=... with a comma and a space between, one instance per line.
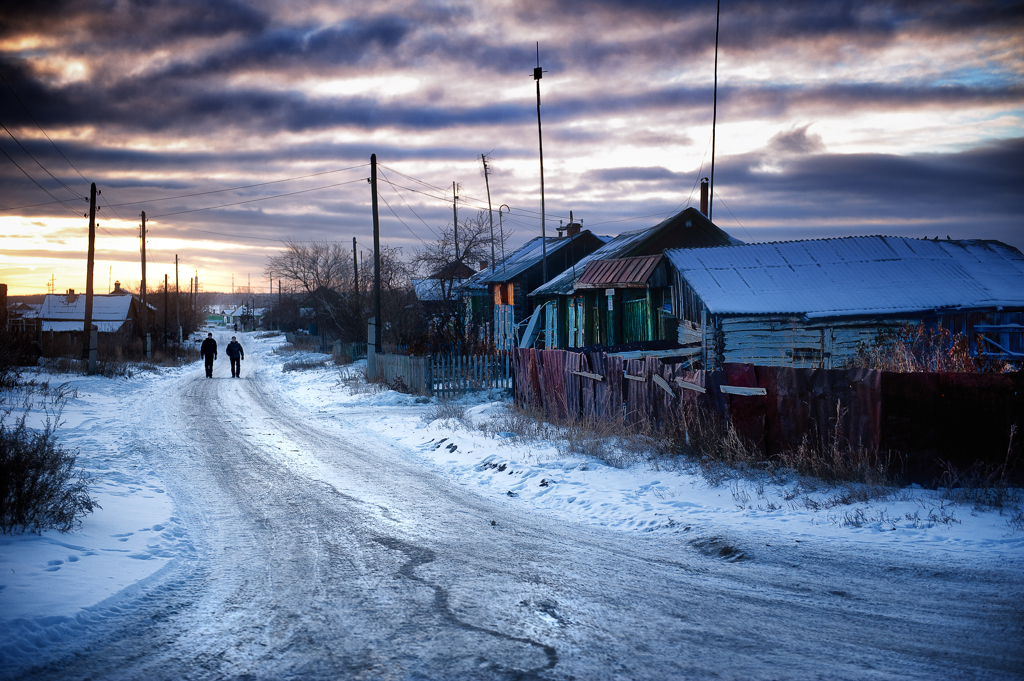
x=975, y=193
x=130, y=22
x=989, y=176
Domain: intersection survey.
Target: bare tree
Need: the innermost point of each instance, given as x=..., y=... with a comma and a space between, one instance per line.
x=446, y=262
x=323, y=271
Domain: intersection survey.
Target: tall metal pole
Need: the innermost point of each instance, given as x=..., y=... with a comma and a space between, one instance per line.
x=501, y=233
x=490, y=211
x=88, y=272
x=142, y=292
x=455, y=208
x=376, y=256
x=714, y=117
x=537, y=75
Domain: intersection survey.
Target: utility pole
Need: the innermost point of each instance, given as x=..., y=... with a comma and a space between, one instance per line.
x=355, y=272
x=146, y=352
x=378, y=323
x=88, y=350
x=167, y=305
x=714, y=117
x=455, y=207
x=177, y=299
x=490, y=211
x=501, y=233
x=537, y=75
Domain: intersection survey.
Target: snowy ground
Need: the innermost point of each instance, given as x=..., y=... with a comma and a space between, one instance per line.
x=136, y=532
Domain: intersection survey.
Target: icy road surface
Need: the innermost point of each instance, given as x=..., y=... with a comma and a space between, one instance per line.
x=323, y=551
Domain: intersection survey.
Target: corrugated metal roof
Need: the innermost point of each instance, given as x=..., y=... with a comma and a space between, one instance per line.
x=522, y=259
x=619, y=273
x=853, y=276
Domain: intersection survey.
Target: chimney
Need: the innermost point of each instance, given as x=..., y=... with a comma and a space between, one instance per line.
x=573, y=229
x=117, y=288
x=483, y=265
x=561, y=228
x=704, y=196
x=71, y=291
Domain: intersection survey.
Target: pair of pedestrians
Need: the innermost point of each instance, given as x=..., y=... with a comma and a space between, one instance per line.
x=235, y=353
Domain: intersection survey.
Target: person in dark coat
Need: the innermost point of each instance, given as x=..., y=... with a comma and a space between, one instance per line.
x=236, y=354
x=209, y=352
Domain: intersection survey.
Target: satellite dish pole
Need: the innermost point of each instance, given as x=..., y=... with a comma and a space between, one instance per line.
x=714, y=117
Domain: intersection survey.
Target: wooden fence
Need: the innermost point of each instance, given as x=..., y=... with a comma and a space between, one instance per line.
x=445, y=375
x=929, y=419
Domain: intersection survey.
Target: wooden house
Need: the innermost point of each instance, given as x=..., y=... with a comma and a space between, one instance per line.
x=814, y=303
x=508, y=282
x=622, y=292
x=119, y=313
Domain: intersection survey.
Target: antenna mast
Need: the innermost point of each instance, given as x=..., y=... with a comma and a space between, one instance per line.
x=714, y=117
x=538, y=73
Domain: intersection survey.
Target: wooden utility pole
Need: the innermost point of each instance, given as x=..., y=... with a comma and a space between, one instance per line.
x=177, y=299
x=378, y=322
x=538, y=73
x=88, y=349
x=142, y=292
x=355, y=271
x=167, y=304
x=490, y=211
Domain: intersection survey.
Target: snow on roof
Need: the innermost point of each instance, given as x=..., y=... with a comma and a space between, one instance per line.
x=853, y=276
x=433, y=289
x=564, y=282
x=522, y=259
x=105, y=308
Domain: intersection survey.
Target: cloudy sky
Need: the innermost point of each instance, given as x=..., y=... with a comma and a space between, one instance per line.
x=834, y=118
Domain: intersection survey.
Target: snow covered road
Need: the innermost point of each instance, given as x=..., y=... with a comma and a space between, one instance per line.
x=322, y=550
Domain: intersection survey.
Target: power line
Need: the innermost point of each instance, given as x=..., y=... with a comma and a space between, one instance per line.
x=37, y=184
x=40, y=127
x=381, y=196
x=45, y=170
x=248, y=186
x=262, y=198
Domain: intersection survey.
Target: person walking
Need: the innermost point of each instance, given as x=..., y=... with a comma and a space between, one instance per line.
x=209, y=352
x=236, y=354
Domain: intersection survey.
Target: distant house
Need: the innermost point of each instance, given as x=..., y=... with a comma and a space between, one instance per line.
x=246, y=318
x=812, y=303
x=622, y=291
x=119, y=312
x=502, y=289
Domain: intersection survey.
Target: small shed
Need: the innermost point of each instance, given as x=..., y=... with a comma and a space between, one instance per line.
x=623, y=290
x=814, y=303
x=510, y=280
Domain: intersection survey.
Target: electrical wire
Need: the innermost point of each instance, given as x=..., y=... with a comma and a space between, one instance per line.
x=45, y=170
x=40, y=127
x=37, y=184
x=261, y=198
x=381, y=197
x=248, y=186
x=734, y=216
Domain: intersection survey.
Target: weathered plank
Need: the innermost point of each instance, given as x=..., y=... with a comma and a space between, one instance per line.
x=634, y=378
x=690, y=386
x=663, y=384
x=587, y=374
x=737, y=390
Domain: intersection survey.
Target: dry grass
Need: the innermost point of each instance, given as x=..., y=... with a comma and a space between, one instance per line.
x=304, y=364
x=911, y=349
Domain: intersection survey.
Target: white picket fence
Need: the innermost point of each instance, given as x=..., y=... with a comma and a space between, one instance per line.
x=445, y=375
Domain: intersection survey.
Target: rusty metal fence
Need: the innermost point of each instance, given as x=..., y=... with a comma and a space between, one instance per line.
x=929, y=419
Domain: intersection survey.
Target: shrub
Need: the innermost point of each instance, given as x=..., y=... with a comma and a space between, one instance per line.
x=911, y=349
x=302, y=365
x=39, y=486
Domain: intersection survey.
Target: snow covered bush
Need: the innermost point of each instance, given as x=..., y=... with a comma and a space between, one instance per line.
x=39, y=486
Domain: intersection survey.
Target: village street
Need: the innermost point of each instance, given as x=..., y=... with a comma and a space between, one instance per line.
x=322, y=551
